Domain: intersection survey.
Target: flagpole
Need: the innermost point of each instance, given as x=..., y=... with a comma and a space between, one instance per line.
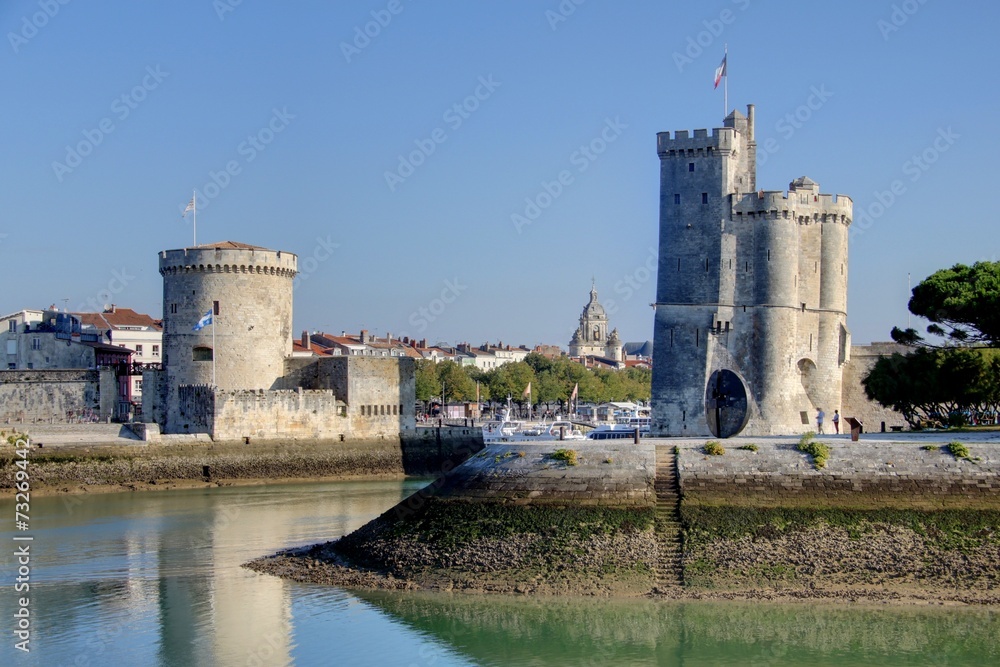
x=194, y=209
x=214, y=351
x=725, y=96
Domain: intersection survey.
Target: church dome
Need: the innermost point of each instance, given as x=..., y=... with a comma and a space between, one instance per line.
x=594, y=310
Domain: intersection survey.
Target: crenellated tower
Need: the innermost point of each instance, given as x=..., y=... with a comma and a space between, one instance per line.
x=750, y=327
x=249, y=290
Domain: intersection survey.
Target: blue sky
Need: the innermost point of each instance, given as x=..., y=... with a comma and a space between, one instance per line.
x=287, y=117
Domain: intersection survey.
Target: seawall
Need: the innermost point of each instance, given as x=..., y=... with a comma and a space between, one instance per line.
x=107, y=462
x=881, y=521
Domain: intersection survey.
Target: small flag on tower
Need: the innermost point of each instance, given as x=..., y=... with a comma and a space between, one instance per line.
x=720, y=71
x=203, y=322
x=190, y=207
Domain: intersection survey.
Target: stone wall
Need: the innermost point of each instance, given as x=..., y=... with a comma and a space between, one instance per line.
x=854, y=402
x=378, y=392
x=51, y=395
x=856, y=475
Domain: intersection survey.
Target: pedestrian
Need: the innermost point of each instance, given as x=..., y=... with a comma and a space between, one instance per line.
x=836, y=421
x=819, y=420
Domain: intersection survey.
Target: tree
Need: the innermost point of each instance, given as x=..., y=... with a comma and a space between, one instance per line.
x=931, y=385
x=427, y=385
x=455, y=382
x=962, y=304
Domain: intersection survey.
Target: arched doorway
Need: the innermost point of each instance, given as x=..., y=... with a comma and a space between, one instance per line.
x=726, y=406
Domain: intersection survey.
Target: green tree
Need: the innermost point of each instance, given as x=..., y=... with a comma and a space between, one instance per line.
x=962, y=304
x=456, y=384
x=937, y=385
x=427, y=385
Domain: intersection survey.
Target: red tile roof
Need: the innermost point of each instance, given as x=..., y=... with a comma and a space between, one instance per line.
x=121, y=317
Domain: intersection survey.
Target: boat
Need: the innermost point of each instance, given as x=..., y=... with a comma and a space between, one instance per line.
x=511, y=430
x=623, y=427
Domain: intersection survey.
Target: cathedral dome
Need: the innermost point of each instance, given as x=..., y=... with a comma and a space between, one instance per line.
x=594, y=309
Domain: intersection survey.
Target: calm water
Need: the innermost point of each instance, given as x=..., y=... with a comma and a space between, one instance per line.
x=154, y=579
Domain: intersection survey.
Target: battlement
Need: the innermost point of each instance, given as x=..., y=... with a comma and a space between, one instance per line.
x=805, y=205
x=683, y=144
x=221, y=259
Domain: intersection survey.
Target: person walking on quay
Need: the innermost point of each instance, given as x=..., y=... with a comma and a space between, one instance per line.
x=819, y=420
x=836, y=421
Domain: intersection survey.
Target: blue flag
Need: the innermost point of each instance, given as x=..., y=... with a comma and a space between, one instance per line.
x=203, y=322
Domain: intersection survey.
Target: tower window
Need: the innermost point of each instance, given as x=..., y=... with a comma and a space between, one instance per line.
x=677, y=199
x=803, y=308
x=678, y=263
x=173, y=309
x=690, y=166
x=704, y=197
x=201, y=354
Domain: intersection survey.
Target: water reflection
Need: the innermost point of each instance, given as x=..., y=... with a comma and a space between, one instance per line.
x=517, y=631
x=155, y=579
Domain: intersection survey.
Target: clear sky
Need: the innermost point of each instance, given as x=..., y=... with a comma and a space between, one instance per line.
x=287, y=117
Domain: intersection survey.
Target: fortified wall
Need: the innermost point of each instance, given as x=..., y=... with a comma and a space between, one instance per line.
x=57, y=395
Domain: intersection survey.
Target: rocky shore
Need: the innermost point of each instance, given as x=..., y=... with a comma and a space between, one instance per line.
x=922, y=529
x=486, y=547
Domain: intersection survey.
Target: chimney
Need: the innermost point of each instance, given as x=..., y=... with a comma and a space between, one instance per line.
x=388, y=337
x=364, y=335
x=750, y=119
x=306, y=342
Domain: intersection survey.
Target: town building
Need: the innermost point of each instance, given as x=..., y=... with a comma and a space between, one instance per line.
x=126, y=328
x=55, y=370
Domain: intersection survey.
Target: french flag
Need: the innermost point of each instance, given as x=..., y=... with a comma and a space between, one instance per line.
x=720, y=71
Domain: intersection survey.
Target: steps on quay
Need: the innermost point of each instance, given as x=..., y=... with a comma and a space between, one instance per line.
x=669, y=564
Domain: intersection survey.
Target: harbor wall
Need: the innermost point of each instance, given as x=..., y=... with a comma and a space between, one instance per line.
x=427, y=452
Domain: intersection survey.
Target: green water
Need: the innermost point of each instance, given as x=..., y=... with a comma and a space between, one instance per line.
x=154, y=579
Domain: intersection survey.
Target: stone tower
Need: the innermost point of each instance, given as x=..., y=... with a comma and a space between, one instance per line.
x=252, y=290
x=592, y=334
x=614, y=348
x=751, y=323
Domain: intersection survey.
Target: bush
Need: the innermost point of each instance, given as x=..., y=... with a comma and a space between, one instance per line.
x=750, y=448
x=928, y=448
x=714, y=448
x=958, y=450
x=568, y=456
x=817, y=450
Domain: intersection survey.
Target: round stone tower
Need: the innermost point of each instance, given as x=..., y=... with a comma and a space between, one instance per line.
x=248, y=291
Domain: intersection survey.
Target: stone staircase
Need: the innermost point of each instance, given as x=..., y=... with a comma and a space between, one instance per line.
x=669, y=566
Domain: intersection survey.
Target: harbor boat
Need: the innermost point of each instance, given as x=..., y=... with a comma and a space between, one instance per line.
x=623, y=427
x=511, y=430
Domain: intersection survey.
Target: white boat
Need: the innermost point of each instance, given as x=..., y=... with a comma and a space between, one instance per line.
x=510, y=430
x=624, y=427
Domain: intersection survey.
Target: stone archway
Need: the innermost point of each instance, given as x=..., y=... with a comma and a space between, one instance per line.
x=809, y=378
x=726, y=405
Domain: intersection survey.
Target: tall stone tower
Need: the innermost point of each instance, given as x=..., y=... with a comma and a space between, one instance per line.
x=751, y=304
x=250, y=290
